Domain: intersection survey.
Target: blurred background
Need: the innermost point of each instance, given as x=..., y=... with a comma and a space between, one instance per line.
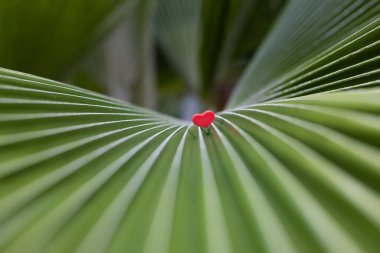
x=175, y=56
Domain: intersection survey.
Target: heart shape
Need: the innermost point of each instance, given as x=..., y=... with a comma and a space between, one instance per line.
x=204, y=119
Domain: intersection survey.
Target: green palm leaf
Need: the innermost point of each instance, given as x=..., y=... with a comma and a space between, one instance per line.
x=293, y=169
x=316, y=46
x=199, y=37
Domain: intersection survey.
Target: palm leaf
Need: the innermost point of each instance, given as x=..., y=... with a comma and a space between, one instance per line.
x=199, y=37
x=177, y=27
x=329, y=45
x=283, y=172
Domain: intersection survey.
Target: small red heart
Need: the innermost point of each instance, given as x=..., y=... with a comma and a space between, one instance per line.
x=204, y=119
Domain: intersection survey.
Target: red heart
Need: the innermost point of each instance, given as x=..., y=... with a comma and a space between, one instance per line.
x=204, y=119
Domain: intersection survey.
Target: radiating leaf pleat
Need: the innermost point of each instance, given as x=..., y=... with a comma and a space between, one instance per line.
x=291, y=175
x=329, y=45
x=294, y=168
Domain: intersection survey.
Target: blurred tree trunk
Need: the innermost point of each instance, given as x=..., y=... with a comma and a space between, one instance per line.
x=129, y=60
